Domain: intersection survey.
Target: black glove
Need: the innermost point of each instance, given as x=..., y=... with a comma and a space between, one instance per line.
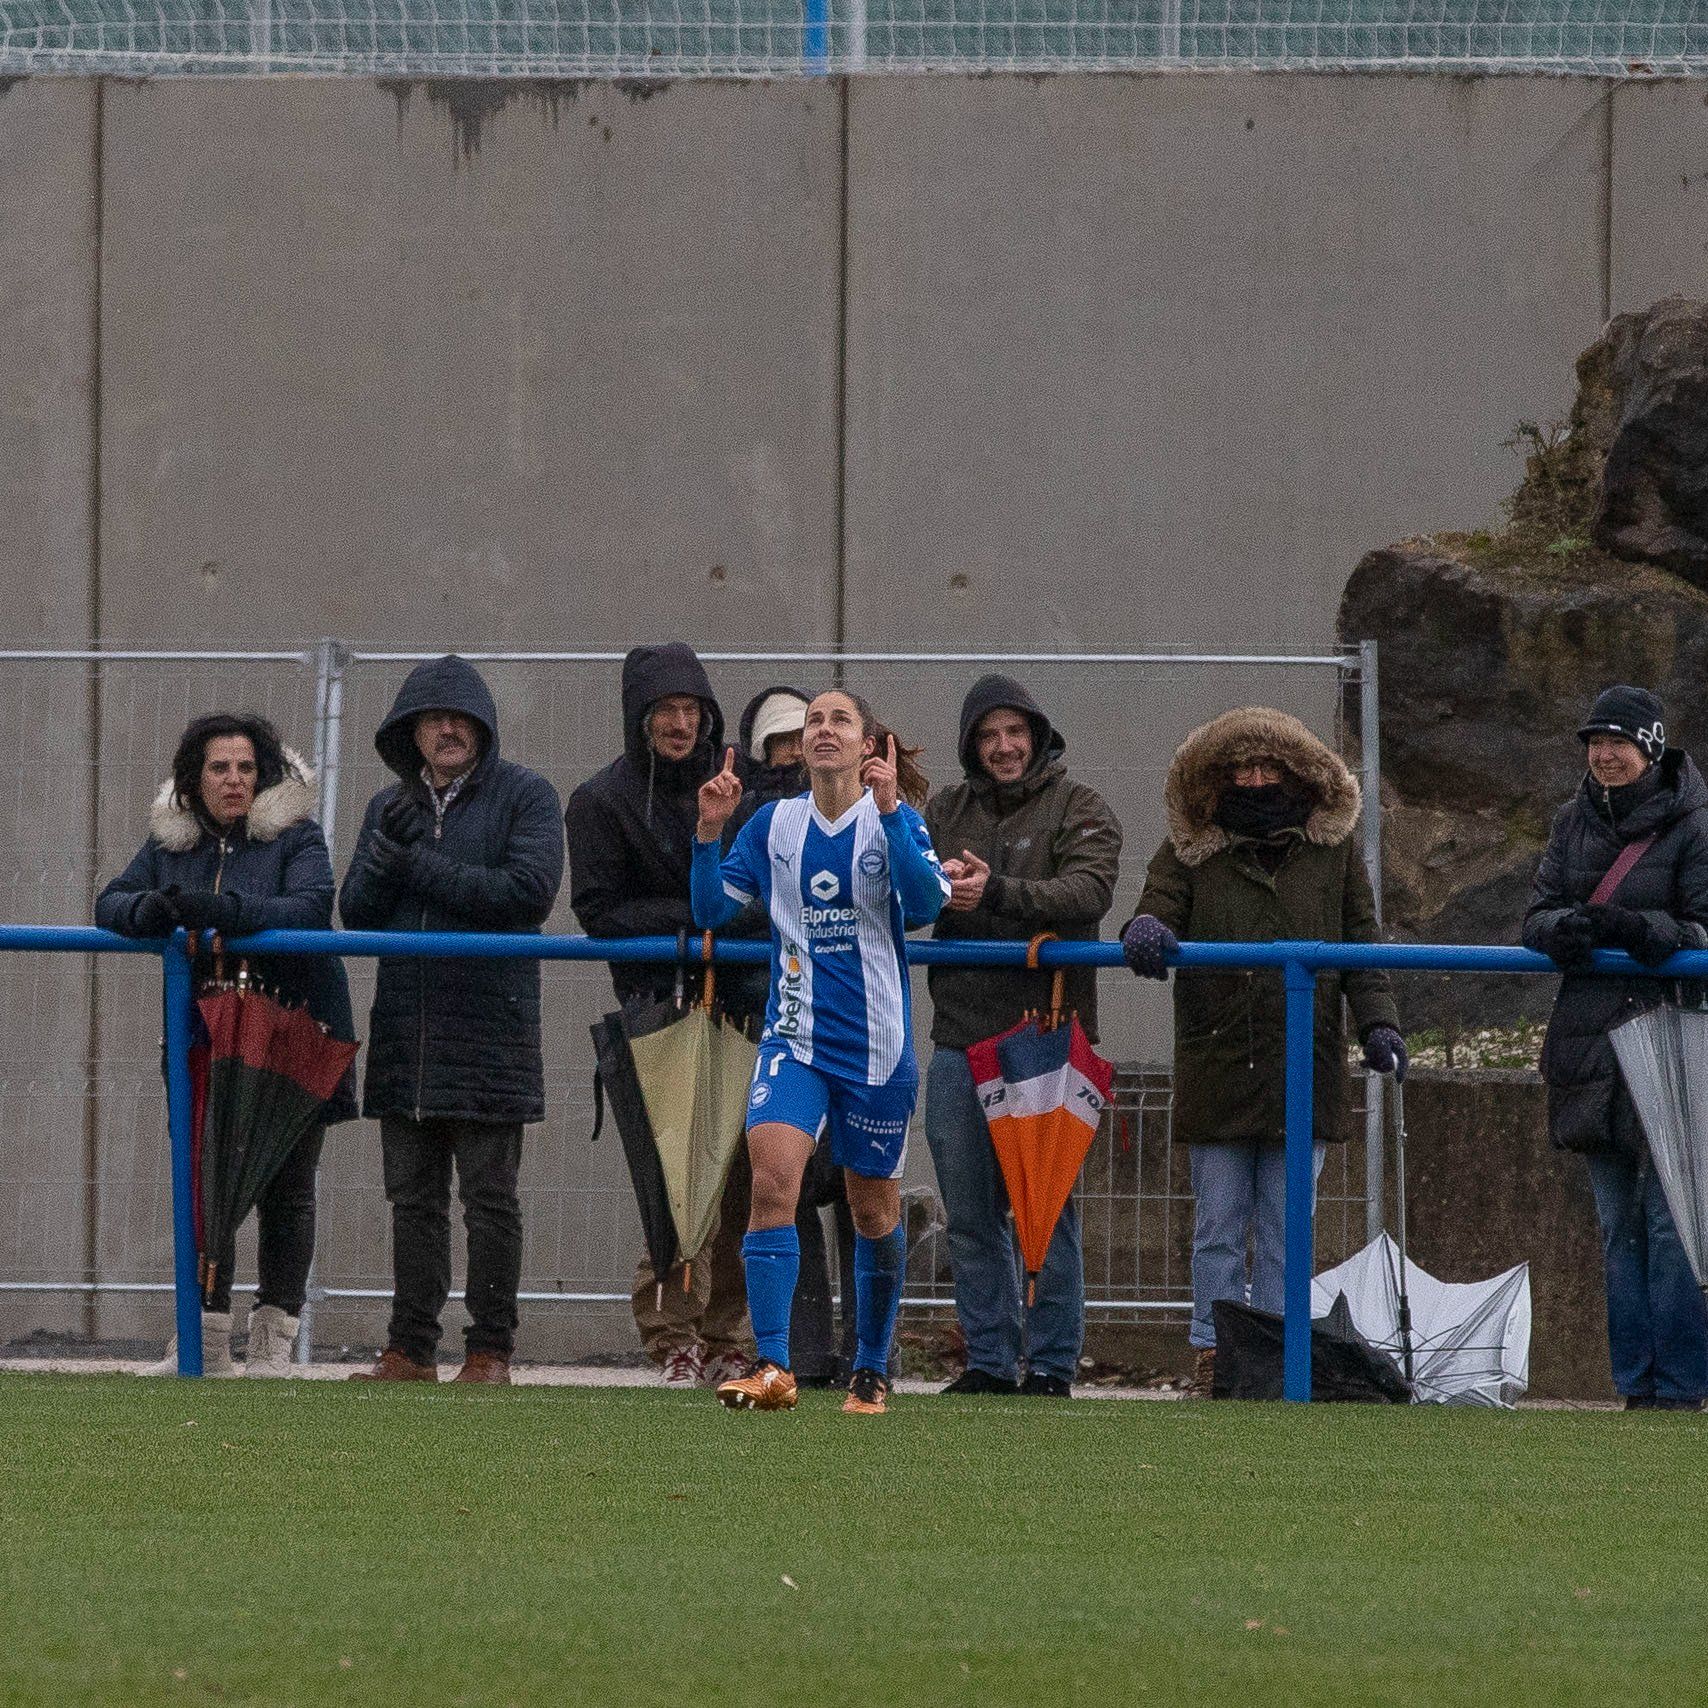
x=204, y=910
x=154, y=914
x=1572, y=941
x=1385, y=1052
x=1145, y=945
x=388, y=859
x=401, y=820
x=1625, y=928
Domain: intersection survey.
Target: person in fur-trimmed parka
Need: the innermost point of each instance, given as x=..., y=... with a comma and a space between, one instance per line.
x=233, y=848
x=1260, y=847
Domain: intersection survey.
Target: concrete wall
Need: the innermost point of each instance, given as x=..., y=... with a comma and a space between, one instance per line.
x=934, y=364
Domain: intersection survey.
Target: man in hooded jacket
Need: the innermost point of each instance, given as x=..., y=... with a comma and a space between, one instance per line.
x=631, y=840
x=463, y=841
x=1027, y=850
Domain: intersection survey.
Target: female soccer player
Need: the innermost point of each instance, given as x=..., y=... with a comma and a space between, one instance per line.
x=843, y=871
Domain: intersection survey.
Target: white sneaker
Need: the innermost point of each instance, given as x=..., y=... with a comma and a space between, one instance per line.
x=722, y=1367
x=216, y=1349
x=684, y=1368
x=272, y=1339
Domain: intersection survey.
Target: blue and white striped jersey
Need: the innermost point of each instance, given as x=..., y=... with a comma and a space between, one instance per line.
x=841, y=897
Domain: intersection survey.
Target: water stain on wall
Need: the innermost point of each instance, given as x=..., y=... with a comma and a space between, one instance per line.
x=472, y=103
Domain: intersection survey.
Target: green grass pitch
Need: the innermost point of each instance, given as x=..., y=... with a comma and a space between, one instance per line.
x=241, y=1542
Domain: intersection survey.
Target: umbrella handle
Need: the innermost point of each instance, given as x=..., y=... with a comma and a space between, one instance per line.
x=1032, y=949
x=709, y=983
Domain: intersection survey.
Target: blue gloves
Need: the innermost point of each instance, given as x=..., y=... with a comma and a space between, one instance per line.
x=1146, y=944
x=1385, y=1052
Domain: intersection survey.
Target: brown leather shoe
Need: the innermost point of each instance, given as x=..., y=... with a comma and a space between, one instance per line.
x=1203, y=1383
x=485, y=1367
x=395, y=1366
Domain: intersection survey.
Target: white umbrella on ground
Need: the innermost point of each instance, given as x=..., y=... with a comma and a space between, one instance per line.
x=1470, y=1339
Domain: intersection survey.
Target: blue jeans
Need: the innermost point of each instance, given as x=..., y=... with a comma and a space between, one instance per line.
x=981, y=1244
x=1657, y=1330
x=1242, y=1192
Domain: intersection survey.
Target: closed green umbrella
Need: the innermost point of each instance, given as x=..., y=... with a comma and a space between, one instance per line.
x=694, y=1076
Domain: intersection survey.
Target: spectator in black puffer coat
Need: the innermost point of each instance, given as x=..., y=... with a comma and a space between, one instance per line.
x=463, y=841
x=1636, y=789
x=233, y=848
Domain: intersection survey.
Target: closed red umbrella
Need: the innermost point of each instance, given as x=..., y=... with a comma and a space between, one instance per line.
x=268, y=1072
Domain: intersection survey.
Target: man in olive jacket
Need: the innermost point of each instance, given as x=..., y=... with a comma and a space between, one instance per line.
x=1027, y=850
x=1260, y=848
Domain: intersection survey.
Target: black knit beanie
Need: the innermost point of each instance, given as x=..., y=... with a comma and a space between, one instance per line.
x=1634, y=713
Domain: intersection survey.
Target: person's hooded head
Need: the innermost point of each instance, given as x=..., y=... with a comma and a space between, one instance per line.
x=443, y=719
x=1007, y=742
x=673, y=730
x=1256, y=774
x=770, y=729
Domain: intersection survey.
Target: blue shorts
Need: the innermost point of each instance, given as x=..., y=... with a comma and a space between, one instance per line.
x=868, y=1123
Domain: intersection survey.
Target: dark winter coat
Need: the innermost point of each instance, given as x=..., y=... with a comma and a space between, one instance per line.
x=457, y=1038
x=1588, y=1106
x=1207, y=884
x=275, y=861
x=1054, y=851
x=631, y=826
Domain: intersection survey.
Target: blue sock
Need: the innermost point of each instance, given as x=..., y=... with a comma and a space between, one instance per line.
x=878, y=1275
x=772, y=1259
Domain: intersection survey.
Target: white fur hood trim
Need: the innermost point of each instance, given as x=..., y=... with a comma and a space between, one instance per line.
x=292, y=799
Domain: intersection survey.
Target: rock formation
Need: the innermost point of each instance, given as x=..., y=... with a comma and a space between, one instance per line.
x=1493, y=643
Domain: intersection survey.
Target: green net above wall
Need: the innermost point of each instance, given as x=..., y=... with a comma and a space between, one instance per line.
x=771, y=38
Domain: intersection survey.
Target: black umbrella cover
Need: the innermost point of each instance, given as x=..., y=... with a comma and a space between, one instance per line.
x=619, y=1085
x=1344, y=1366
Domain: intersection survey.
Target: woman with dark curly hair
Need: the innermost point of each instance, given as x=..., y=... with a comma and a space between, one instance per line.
x=233, y=848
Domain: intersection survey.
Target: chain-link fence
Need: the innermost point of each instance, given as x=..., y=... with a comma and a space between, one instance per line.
x=766, y=38
x=85, y=1225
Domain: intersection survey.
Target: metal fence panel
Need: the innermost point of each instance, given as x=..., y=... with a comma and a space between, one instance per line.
x=85, y=1184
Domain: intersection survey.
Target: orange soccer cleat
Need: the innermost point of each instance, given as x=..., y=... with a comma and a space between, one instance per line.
x=867, y=1393
x=765, y=1387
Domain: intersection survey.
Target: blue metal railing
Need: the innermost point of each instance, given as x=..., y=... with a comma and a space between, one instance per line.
x=1300, y=964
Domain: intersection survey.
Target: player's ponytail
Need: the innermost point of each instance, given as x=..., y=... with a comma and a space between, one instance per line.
x=911, y=782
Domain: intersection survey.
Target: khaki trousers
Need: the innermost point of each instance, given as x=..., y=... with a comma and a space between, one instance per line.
x=713, y=1311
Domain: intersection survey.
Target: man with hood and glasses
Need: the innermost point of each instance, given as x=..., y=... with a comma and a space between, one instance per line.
x=1027, y=850
x=631, y=838
x=463, y=841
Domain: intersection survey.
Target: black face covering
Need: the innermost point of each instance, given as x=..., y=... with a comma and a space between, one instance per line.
x=1261, y=812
